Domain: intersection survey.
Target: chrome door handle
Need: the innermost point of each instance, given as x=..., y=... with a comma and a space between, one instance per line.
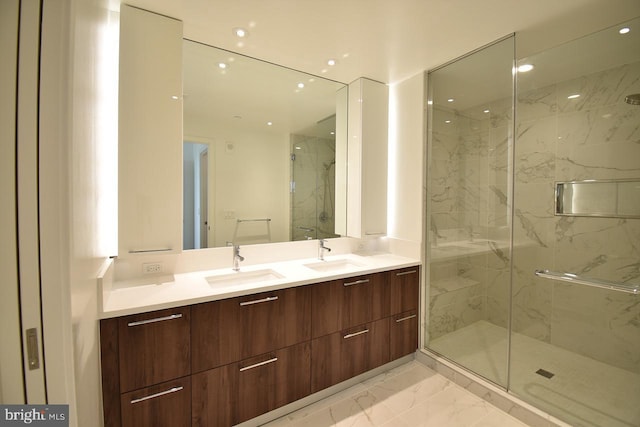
x=355, y=334
x=255, y=365
x=405, y=318
x=162, y=393
x=258, y=301
x=157, y=319
x=404, y=273
x=357, y=282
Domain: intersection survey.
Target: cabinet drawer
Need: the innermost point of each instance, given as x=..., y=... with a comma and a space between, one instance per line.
x=341, y=304
x=243, y=390
x=403, y=331
x=153, y=347
x=230, y=330
x=404, y=286
x=167, y=404
x=273, y=380
x=350, y=352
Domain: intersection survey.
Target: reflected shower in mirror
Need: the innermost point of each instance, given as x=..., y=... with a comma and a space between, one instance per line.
x=260, y=145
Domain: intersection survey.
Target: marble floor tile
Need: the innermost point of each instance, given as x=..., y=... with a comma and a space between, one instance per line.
x=409, y=395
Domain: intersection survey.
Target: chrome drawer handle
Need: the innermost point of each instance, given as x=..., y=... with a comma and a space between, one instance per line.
x=357, y=282
x=153, y=396
x=404, y=273
x=258, y=301
x=355, y=334
x=246, y=368
x=405, y=318
x=157, y=319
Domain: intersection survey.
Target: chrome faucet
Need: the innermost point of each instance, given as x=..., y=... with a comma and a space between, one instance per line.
x=237, y=258
x=322, y=248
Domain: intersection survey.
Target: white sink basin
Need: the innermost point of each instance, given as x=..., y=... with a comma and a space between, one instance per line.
x=334, y=265
x=243, y=277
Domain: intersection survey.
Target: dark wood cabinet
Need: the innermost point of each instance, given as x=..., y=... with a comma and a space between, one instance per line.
x=224, y=362
x=273, y=380
x=240, y=391
x=230, y=330
x=403, y=334
x=146, y=363
x=403, y=287
x=163, y=405
x=154, y=347
x=341, y=304
x=215, y=397
x=345, y=354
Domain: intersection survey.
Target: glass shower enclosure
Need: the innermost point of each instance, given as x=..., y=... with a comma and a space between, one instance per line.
x=533, y=210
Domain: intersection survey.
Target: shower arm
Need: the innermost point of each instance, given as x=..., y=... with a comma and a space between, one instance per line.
x=604, y=284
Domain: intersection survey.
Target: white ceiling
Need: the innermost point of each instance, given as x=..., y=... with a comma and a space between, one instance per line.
x=386, y=40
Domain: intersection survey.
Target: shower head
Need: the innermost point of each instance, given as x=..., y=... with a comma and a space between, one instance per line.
x=633, y=99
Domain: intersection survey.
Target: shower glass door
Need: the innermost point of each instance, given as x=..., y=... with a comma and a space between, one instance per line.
x=469, y=201
x=575, y=349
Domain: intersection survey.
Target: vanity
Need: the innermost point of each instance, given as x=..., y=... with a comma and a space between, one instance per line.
x=253, y=345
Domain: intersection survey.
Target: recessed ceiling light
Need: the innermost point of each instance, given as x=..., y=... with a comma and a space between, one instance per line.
x=624, y=30
x=486, y=111
x=269, y=123
x=450, y=100
x=174, y=97
x=331, y=62
x=447, y=121
x=574, y=96
x=222, y=65
x=525, y=68
x=240, y=32
x=332, y=133
x=300, y=85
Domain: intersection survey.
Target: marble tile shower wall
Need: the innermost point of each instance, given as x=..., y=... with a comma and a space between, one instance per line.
x=313, y=203
x=468, y=202
x=594, y=136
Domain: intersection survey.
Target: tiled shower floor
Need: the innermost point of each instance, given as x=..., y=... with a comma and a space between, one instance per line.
x=410, y=395
x=582, y=392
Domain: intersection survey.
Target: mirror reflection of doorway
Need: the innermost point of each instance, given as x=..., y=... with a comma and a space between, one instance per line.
x=196, y=223
x=312, y=187
x=203, y=219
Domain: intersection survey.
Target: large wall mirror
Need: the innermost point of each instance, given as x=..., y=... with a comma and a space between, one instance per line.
x=260, y=146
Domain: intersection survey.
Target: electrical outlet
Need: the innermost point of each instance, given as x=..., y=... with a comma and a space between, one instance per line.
x=151, y=267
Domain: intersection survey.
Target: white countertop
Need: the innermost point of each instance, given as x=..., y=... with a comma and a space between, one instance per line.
x=160, y=292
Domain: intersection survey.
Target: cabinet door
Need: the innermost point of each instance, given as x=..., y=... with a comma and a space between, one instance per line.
x=367, y=151
x=227, y=331
x=240, y=391
x=404, y=285
x=163, y=405
x=153, y=347
x=345, y=354
x=403, y=333
x=341, y=304
x=215, y=397
x=272, y=380
x=149, y=133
